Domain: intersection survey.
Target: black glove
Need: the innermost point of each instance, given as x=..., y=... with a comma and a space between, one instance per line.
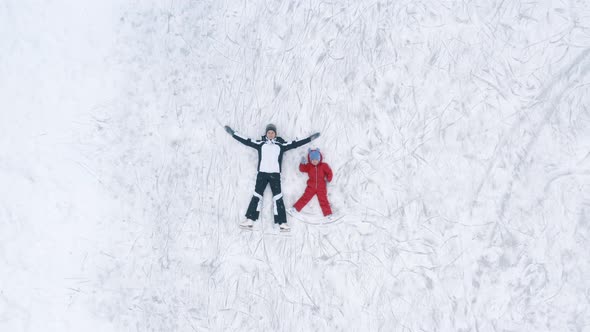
x=229, y=130
x=314, y=136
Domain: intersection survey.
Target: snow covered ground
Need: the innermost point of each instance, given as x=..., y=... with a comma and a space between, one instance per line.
x=458, y=132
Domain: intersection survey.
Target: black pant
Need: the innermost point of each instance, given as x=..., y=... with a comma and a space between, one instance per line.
x=262, y=179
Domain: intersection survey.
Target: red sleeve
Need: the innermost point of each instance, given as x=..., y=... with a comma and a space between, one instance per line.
x=303, y=167
x=328, y=171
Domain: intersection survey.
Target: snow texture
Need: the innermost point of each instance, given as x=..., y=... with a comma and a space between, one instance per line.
x=458, y=133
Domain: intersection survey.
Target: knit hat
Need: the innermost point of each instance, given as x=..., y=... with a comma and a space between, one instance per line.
x=272, y=127
x=314, y=154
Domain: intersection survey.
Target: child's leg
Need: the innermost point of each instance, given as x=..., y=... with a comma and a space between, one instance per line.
x=277, y=196
x=256, y=202
x=305, y=198
x=324, y=203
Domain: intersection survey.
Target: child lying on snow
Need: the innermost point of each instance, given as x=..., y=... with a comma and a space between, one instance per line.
x=319, y=174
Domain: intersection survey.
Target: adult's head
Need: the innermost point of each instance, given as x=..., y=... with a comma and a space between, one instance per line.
x=271, y=131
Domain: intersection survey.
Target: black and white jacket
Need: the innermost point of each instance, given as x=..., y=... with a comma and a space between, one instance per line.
x=270, y=152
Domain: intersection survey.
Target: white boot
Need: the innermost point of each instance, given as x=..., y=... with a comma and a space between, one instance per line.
x=247, y=224
x=284, y=227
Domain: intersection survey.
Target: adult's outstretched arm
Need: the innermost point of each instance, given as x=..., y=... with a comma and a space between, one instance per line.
x=298, y=143
x=241, y=139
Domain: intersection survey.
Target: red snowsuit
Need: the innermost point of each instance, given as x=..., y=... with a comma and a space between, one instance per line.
x=316, y=185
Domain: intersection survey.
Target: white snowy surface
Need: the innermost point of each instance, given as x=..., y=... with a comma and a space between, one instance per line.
x=458, y=133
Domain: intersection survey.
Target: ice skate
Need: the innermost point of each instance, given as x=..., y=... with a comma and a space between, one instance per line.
x=247, y=224
x=291, y=211
x=284, y=227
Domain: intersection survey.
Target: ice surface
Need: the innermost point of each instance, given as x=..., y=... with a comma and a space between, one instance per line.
x=458, y=133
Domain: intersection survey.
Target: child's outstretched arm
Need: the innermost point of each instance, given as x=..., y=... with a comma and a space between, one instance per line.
x=243, y=140
x=303, y=166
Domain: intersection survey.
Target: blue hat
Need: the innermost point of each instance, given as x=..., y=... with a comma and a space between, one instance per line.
x=314, y=155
